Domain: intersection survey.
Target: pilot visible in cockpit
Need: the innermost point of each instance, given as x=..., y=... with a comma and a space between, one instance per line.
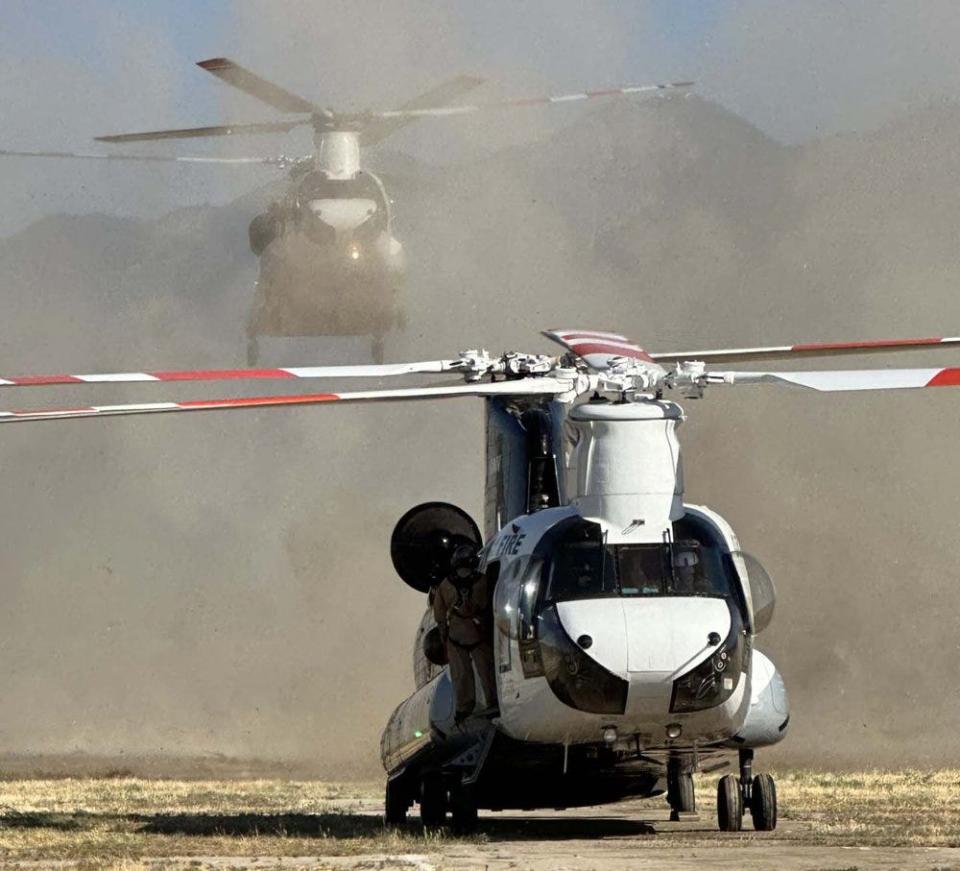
x=689, y=578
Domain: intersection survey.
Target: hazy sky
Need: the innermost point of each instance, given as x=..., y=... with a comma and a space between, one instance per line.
x=71, y=70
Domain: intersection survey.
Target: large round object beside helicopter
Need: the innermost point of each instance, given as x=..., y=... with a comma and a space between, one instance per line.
x=425, y=538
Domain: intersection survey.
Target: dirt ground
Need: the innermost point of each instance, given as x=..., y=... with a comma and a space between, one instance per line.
x=828, y=822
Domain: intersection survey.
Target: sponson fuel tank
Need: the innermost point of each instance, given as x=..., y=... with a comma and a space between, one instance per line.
x=424, y=722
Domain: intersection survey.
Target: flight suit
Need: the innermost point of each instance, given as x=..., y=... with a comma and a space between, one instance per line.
x=462, y=613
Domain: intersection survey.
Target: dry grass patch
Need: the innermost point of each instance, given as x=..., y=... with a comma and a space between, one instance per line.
x=106, y=823
x=909, y=808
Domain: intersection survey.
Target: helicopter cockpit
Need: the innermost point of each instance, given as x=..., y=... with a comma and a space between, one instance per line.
x=581, y=565
x=595, y=618
x=329, y=208
x=584, y=569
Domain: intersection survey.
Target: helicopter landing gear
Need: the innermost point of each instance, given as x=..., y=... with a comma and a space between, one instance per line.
x=680, y=790
x=463, y=809
x=758, y=795
x=763, y=803
x=433, y=800
x=396, y=804
x=729, y=804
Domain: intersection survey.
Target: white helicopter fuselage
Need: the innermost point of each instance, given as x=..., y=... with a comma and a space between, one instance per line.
x=621, y=659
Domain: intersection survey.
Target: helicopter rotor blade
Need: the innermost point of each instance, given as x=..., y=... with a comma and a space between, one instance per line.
x=838, y=380
x=786, y=352
x=374, y=370
x=377, y=131
x=520, y=387
x=256, y=86
x=153, y=158
x=445, y=111
x=598, y=350
x=200, y=132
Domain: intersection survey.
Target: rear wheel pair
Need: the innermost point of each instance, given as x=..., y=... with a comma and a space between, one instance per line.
x=762, y=803
x=433, y=801
x=436, y=798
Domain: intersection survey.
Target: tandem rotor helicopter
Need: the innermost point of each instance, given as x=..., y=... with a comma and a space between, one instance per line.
x=330, y=264
x=624, y=620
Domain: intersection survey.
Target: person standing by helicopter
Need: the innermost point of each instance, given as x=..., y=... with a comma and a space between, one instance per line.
x=461, y=607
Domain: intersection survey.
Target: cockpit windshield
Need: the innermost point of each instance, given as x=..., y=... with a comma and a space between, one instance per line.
x=316, y=186
x=582, y=569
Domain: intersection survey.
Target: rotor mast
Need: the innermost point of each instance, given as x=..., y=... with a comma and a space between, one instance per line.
x=336, y=151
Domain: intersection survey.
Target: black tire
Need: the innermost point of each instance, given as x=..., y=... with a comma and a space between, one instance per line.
x=680, y=792
x=729, y=804
x=433, y=801
x=463, y=810
x=395, y=804
x=763, y=803
x=684, y=795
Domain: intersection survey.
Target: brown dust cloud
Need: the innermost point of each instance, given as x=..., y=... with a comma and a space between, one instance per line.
x=219, y=585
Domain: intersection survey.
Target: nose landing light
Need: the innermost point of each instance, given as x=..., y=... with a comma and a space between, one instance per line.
x=674, y=731
x=610, y=735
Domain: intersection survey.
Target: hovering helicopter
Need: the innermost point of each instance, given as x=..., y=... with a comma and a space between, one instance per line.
x=624, y=619
x=330, y=263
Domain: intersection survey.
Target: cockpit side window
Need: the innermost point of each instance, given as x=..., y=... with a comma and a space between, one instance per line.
x=718, y=566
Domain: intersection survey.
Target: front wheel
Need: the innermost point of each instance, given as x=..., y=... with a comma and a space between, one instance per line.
x=763, y=803
x=729, y=804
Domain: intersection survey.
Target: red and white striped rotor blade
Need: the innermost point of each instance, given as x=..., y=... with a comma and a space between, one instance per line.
x=378, y=370
x=445, y=111
x=520, y=387
x=819, y=349
x=838, y=380
x=598, y=350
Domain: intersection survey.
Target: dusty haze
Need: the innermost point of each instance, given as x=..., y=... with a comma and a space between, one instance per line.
x=221, y=584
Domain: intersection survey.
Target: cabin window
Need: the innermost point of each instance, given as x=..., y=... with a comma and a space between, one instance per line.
x=581, y=570
x=590, y=570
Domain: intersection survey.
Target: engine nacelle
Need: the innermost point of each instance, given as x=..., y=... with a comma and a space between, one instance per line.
x=769, y=712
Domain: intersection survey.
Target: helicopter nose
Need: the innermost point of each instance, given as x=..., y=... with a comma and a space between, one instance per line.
x=646, y=641
x=672, y=633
